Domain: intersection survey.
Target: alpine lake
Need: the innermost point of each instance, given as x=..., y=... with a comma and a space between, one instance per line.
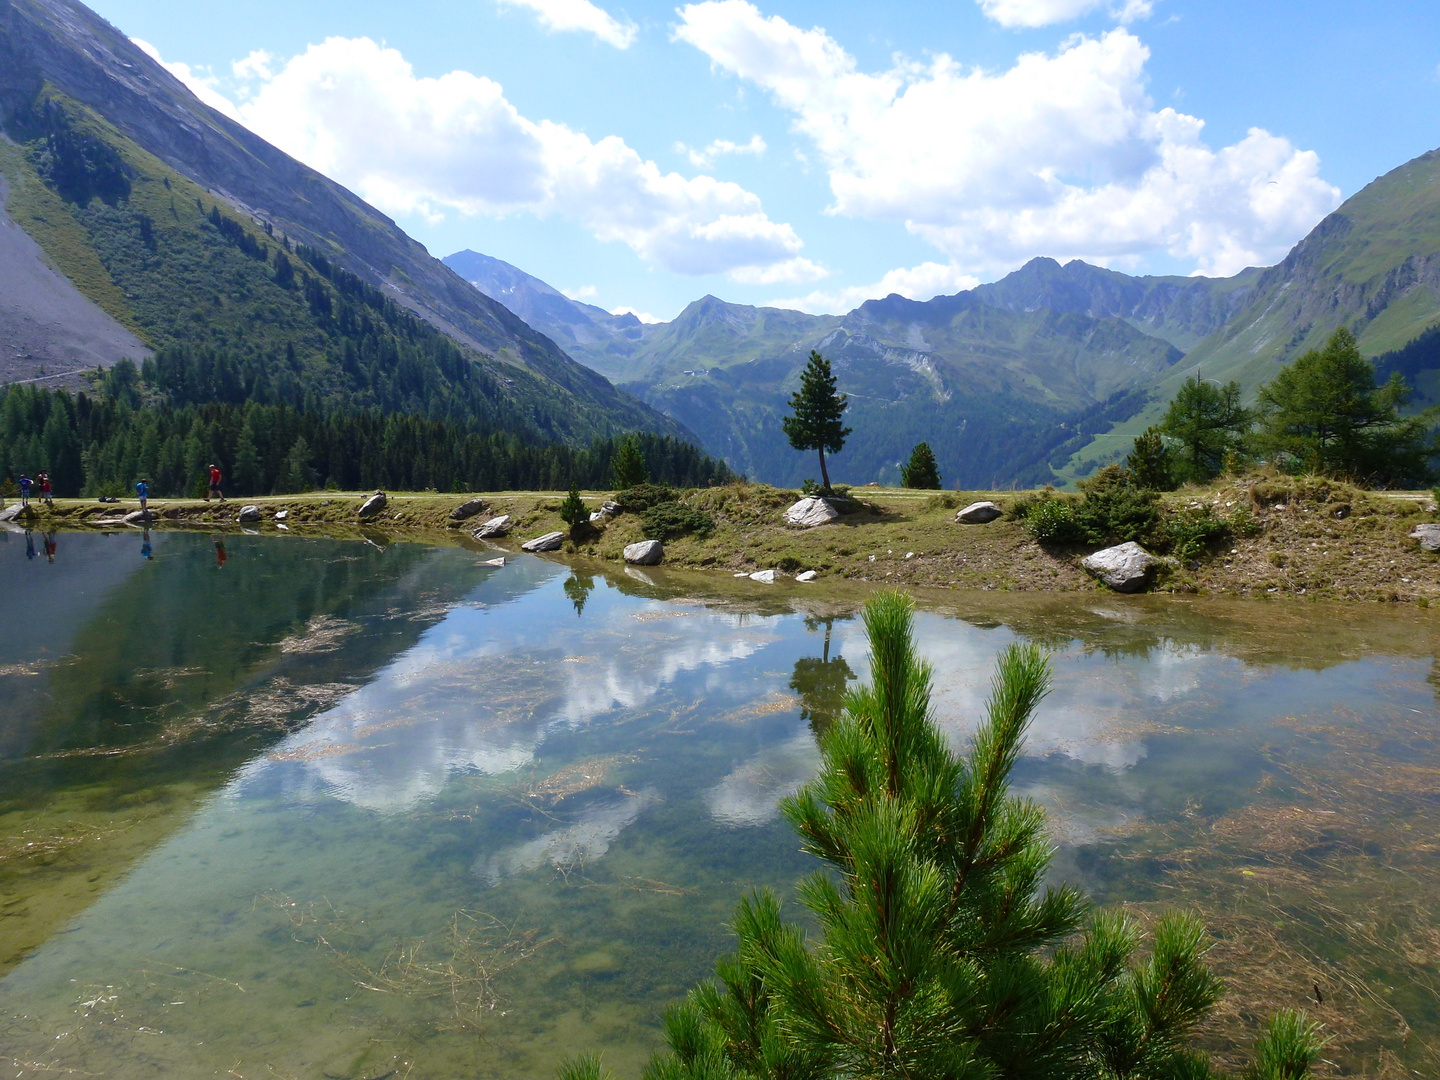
x=300, y=807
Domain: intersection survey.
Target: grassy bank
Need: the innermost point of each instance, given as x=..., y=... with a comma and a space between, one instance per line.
x=1312, y=538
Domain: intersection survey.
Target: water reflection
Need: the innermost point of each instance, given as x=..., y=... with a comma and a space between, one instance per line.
x=401, y=735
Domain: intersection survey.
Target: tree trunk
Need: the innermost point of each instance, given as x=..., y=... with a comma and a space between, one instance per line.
x=824, y=473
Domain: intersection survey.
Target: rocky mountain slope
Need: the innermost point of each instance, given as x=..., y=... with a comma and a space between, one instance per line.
x=1046, y=373
x=70, y=83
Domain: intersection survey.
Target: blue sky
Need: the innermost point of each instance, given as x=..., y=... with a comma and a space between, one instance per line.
x=639, y=155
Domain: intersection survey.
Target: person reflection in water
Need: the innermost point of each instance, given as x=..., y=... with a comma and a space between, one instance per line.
x=146, y=550
x=49, y=547
x=220, y=555
x=29, y=545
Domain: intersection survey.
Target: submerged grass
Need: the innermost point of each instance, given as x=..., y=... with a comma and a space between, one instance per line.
x=1323, y=894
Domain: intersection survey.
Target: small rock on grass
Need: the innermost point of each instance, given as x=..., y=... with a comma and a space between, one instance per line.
x=978, y=513
x=282, y=515
x=467, y=510
x=1429, y=537
x=808, y=575
x=551, y=541
x=765, y=577
x=644, y=553
x=1125, y=568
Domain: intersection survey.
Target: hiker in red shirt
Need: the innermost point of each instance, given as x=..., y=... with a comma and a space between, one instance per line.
x=215, y=484
x=46, y=496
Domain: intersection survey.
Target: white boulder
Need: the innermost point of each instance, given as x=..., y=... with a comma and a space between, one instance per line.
x=551, y=541
x=645, y=553
x=765, y=577
x=282, y=515
x=139, y=517
x=978, y=513
x=807, y=513
x=373, y=505
x=1428, y=535
x=496, y=526
x=808, y=575
x=1125, y=568
x=248, y=514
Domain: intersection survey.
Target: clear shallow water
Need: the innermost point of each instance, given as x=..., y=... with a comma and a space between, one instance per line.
x=334, y=808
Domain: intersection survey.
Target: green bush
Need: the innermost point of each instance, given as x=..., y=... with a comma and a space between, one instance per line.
x=1244, y=524
x=1115, y=510
x=1052, y=521
x=643, y=497
x=672, y=520
x=1193, y=530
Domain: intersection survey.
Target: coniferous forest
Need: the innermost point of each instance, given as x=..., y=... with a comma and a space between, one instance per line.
x=101, y=444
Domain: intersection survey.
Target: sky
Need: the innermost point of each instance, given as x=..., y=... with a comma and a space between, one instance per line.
x=638, y=154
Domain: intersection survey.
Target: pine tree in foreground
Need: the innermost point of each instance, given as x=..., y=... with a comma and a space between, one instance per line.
x=940, y=956
x=921, y=471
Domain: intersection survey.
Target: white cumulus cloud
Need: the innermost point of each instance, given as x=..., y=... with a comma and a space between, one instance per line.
x=705, y=158
x=1062, y=154
x=357, y=112
x=580, y=15
x=1032, y=13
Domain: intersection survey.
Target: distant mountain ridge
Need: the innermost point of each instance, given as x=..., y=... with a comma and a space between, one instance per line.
x=61, y=53
x=1045, y=373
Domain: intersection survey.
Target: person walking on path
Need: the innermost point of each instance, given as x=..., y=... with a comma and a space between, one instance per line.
x=46, y=496
x=25, y=482
x=215, y=485
x=143, y=490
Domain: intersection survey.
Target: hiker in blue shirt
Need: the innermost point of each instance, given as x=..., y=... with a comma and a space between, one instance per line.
x=24, y=490
x=143, y=490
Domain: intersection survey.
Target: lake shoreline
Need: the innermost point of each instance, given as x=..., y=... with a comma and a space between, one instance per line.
x=1321, y=541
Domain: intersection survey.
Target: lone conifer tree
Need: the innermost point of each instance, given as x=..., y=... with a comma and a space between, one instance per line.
x=628, y=465
x=939, y=954
x=816, y=413
x=921, y=471
x=573, y=510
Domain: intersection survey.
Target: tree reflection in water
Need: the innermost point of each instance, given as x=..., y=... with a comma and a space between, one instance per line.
x=821, y=683
x=578, y=588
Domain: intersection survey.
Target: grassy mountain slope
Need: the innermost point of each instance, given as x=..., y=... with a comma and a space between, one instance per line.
x=1373, y=265
x=994, y=392
x=162, y=249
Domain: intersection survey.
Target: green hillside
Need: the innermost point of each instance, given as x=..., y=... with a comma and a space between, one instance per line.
x=201, y=238
x=1373, y=265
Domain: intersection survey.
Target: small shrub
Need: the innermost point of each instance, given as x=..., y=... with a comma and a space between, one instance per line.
x=1052, y=521
x=643, y=497
x=809, y=488
x=672, y=520
x=1114, y=510
x=1244, y=524
x=573, y=510
x=1193, y=530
